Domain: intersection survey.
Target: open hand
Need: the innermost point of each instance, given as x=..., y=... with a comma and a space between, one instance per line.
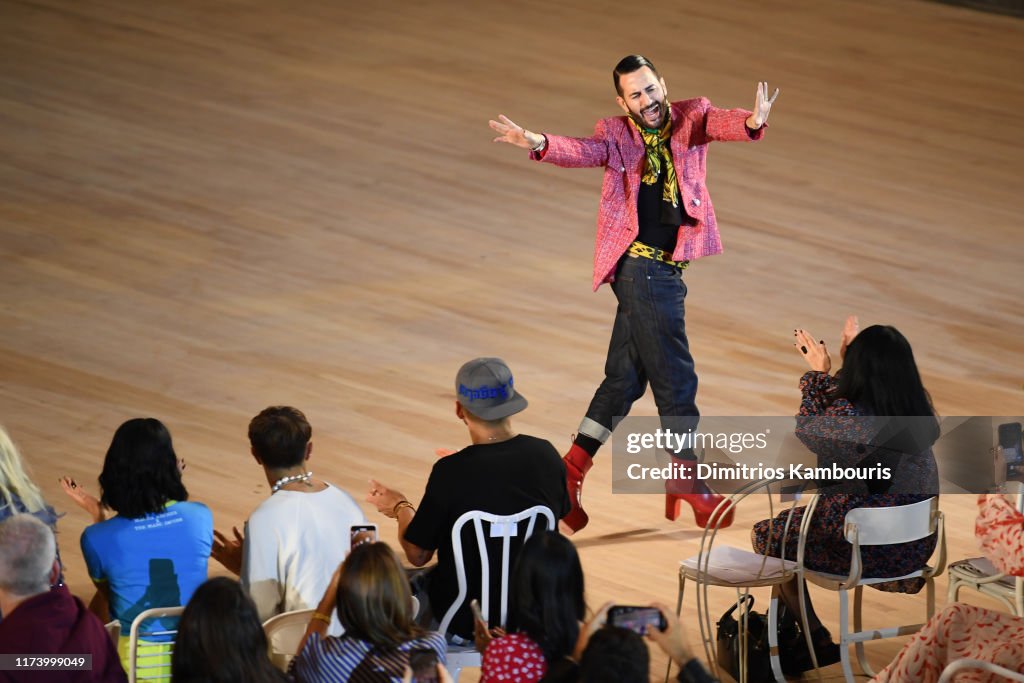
x=850, y=330
x=83, y=499
x=383, y=498
x=514, y=134
x=814, y=351
x=227, y=551
x=762, y=106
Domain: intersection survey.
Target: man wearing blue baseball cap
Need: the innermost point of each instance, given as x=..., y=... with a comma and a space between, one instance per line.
x=500, y=472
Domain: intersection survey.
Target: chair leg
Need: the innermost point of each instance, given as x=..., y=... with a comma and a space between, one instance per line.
x=773, y=638
x=858, y=601
x=954, y=590
x=844, y=635
x=679, y=610
x=455, y=673
x=929, y=585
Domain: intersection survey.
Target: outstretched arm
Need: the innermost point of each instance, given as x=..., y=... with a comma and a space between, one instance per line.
x=512, y=133
x=555, y=149
x=739, y=124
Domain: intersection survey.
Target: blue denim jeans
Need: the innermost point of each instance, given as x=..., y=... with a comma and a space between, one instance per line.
x=648, y=346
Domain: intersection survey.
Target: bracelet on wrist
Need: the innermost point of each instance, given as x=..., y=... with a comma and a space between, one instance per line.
x=317, y=616
x=539, y=147
x=401, y=504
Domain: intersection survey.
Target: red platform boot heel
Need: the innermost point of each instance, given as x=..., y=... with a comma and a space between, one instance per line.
x=577, y=464
x=695, y=492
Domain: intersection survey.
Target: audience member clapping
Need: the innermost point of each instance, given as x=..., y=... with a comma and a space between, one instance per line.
x=298, y=536
x=501, y=472
x=220, y=639
x=154, y=553
x=373, y=601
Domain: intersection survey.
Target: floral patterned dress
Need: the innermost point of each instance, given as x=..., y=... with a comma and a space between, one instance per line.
x=845, y=438
x=514, y=658
x=964, y=631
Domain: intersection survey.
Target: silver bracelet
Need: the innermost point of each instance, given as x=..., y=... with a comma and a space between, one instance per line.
x=543, y=142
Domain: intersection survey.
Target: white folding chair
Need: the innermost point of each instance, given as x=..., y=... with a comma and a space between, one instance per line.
x=500, y=526
x=284, y=635
x=147, y=666
x=978, y=573
x=958, y=665
x=736, y=568
x=113, y=630
x=873, y=526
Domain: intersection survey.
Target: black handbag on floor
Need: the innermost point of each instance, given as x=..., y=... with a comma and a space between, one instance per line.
x=759, y=668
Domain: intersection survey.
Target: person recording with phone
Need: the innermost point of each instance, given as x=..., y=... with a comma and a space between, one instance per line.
x=611, y=649
x=370, y=596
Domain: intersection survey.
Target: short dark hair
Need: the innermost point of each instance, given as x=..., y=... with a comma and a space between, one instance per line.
x=615, y=655
x=279, y=435
x=140, y=472
x=628, y=65
x=220, y=638
x=546, y=594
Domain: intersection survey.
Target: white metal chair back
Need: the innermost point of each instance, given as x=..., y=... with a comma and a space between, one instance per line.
x=504, y=526
x=958, y=665
x=873, y=526
x=145, y=666
x=979, y=574
x=284, y=635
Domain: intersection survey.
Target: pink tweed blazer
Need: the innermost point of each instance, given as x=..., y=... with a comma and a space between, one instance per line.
x=617, y=146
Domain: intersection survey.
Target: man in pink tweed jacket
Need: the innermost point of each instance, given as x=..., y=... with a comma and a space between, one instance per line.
x=655, y=217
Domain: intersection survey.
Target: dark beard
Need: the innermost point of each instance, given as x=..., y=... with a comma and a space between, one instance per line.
x=640, y=122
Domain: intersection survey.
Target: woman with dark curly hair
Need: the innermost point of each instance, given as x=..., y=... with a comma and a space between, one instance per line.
x=221, y=640
x=154, y=552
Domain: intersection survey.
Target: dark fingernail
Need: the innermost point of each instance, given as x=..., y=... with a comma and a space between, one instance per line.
x=822, y=342
x=803, y=349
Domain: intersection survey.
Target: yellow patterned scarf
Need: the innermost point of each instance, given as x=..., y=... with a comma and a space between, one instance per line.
x=658, y=151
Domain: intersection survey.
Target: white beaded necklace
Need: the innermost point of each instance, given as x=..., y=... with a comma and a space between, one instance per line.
x=284, y=481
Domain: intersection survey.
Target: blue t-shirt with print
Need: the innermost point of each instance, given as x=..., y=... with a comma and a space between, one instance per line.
x=154, y=561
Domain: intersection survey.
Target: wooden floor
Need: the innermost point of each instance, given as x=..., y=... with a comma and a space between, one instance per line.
x=208, y=208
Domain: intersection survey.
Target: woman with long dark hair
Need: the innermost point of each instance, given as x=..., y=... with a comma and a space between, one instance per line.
x=546, y=609
x=374, y=605
x=221, y=640
x=154, y=552
x=874, y=413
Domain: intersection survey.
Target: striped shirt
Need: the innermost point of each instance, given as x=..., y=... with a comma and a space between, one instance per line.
x=335, y=660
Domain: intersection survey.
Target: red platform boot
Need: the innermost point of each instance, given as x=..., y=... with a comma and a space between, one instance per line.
x=577, y=463
x=695, y=492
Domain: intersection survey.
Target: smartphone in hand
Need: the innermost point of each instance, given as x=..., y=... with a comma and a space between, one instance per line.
x=424, y=666
x=636, y=618
x=362, y=533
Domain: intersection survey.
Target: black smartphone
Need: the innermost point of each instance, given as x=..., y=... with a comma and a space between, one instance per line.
x=424, y=666
x=362, y=533
x=636, y=618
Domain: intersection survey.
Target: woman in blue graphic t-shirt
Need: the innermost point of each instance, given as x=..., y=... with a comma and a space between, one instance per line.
x=154, y=552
